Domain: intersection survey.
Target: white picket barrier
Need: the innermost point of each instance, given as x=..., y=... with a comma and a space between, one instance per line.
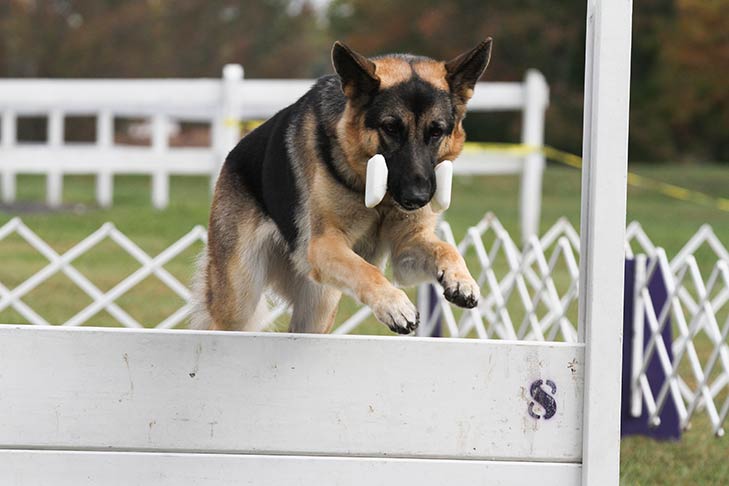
x=91, y=406
x=221, y=103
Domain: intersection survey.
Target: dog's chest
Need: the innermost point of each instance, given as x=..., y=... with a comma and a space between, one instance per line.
x=371, y=244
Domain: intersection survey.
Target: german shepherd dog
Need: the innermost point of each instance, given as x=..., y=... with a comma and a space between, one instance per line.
x=288, y=211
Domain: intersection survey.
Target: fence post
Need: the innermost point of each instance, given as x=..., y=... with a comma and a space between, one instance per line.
x=638, y=324
x=160, y=176
x=104, y=177
x=227, y=130
x=54, y=177
x=602, y=231
x=9, y=134
x=532, y=133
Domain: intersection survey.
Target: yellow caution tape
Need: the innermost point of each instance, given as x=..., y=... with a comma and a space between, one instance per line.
x=635, y=180
x=246, y=125
x=572, y=160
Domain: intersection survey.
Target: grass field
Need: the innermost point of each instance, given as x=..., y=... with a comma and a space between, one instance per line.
x=696, y=459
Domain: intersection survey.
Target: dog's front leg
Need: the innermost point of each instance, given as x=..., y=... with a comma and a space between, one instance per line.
x=421, y=257
x=334, y=263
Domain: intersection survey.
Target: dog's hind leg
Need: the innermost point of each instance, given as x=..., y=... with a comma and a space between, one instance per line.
x=237, y=278
x=236, y=301
x=315, y=307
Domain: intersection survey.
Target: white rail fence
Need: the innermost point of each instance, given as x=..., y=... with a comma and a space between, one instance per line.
x=527, y=294
x=221, y=104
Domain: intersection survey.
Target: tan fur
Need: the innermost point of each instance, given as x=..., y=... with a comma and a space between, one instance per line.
x=236, y=285
x=351, y=127
x=392, y=71
x=452, y=145
x=308, y=135
x=434, y=72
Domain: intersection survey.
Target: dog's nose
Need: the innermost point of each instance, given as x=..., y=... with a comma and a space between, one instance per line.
x=415, y=198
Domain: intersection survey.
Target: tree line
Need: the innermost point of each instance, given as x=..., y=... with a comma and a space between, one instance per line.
x=680, y=59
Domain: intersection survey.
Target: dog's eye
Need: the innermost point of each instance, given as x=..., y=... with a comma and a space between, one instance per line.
x=391, y=127
x=435, y=133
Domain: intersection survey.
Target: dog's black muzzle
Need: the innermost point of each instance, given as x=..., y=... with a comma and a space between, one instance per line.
x=411, y=177
x=415, y=196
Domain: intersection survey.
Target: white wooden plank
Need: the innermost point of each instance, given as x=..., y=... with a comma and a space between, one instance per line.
x=292, y=394
x=486, y=162
x=497, y=97
x=604, y=187
x=120, y=95
x=68, y=468
x=532, y=135
x=254, y=97
x=8, y=129
x=80, y=159
x=226, y=129
x=104, y=142
x=8, y=186
x=160, y=176
x=54, y=175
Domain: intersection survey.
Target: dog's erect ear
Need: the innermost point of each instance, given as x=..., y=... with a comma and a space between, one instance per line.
x=356, y=71
x=465, y=70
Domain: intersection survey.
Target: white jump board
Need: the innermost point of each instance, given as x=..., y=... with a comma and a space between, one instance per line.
x=71, y=468
x=288, y=395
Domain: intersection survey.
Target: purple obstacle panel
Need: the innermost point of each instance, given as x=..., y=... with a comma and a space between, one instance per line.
x=669, y=428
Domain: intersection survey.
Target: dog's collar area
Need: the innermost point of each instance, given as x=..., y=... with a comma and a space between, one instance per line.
x=376, y=183
x=325, y=149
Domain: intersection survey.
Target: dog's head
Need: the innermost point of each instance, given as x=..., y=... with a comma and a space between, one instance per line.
x=409, y=109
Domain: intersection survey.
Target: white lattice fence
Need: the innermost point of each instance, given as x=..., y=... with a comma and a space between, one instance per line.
x=515, y=282
x=697, y=373
x=527, y=294
x=63, y=263
x=521, y=288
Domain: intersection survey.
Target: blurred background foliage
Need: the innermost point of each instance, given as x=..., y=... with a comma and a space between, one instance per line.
x=680, y=95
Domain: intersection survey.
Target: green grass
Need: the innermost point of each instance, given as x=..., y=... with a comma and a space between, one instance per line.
x=697, y=459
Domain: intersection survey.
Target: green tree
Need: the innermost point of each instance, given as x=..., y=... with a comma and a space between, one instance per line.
x=695, y=68
x=151, y=38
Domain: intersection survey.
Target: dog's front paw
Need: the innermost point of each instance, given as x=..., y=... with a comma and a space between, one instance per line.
x=395, y=310
x=461, y=290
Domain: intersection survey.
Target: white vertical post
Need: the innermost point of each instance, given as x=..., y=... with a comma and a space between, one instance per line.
x=54, y=177
x=423, y=301
x=639, y=281
x=604, y=187
x=532, y=134
x=226, y=128
x=160, y=176
x=9, y=134
x=104, y=141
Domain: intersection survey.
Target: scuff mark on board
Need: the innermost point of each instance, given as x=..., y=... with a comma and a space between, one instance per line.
x=572, y=366
x=130, y=393
x=196, y=365
x=151, y=424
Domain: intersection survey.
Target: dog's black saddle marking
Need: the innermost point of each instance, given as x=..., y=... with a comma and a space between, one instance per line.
x=261, y=161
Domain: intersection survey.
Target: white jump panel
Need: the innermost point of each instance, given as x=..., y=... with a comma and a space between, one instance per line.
x=68, y=468
x=94, y=389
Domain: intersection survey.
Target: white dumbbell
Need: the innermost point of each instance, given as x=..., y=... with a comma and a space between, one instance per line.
x=376, y=183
